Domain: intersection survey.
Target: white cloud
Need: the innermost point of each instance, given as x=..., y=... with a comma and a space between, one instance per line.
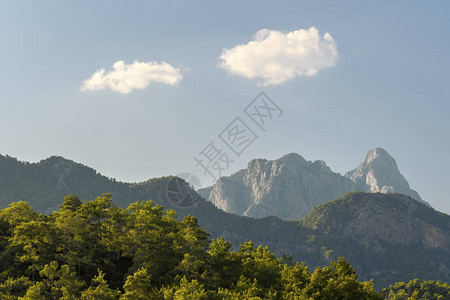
x=138, y=75
x=276, y=57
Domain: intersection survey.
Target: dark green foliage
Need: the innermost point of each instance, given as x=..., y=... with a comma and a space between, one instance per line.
x=416, y=289
x=95, y=250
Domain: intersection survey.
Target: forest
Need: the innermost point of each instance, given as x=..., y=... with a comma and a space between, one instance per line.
x=97, y=250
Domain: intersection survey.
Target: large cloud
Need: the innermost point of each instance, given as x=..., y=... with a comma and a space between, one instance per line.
x=138, y=75
x=276, y=57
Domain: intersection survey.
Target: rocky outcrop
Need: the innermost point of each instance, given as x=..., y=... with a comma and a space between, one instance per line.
x=379, y=173
x=434, y=237
x=291, y=186
x=288, y=187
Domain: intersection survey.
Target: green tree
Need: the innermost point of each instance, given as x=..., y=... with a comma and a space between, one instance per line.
x=138, y=287
x=190, y=290
x=13, y=288
x=61, y=282
x=100, y=290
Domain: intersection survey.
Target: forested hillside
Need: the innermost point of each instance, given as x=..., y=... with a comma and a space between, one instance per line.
x=93, y=250
x=416, y=289
x=45, y=183
x=388, y=237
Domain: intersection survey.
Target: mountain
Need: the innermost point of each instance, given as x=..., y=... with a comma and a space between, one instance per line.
x=375, y=219
x=379, y=173
x=288, y=187
x=387, y=237
x=45, y=183
x=291, y=186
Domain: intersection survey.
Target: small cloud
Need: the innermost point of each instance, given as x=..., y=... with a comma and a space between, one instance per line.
x=276, y=57
x=138, y=75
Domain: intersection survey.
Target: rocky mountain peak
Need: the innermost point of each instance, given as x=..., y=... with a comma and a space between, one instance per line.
x=290, y=186
x=379, y=173
x=378, y=154
x=292, y=157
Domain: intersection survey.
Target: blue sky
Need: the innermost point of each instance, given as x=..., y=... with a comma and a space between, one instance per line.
x=387, y=88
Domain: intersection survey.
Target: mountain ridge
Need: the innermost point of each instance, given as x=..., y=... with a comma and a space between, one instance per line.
x=290, y=186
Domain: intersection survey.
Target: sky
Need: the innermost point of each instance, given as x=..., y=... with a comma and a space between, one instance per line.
x=140, y=89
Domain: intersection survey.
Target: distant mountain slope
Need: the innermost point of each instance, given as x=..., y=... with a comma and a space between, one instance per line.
x=45, y=183
x=388, y=235
x=291, y=186
x=376, y=218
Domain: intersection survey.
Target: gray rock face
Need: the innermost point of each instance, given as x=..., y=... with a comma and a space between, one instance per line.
x=291, y=186
x=288, y=187
x=379, y=173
